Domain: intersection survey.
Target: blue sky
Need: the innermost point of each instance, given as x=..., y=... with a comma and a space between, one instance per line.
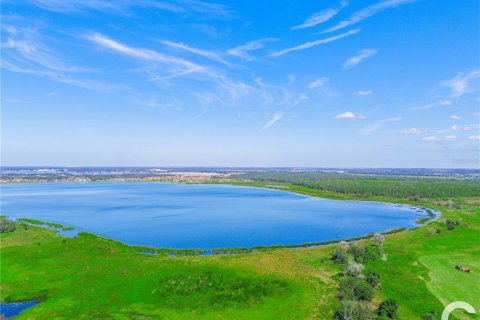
x=382, y=83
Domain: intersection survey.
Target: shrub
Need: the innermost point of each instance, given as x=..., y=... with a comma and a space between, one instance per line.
x=354, y=310
x=351, y=288
x=379, y=239
x=388, y=309
x=354, y=269
x=339, y=256
x=344, y=245
x=428, y=316
x=362, y=254
x=6, y=225
x=372, y=277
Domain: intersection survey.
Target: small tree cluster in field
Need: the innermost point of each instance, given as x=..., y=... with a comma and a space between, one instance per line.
x=356, y=289
x=387, y=310
x=6, y=225
x=450, y=224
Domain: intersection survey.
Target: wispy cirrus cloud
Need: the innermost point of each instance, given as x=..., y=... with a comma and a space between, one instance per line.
x=243, y=51
x=359, y=57
x=367, y=12
x=364, y=93
x=174, y=67
x=319, y=83
x=183, y=7
x=204, y=53
x=320, y=17
x=28, y=99
x=442, y=103
x=380, y=124
x=28, y=51
x=274, y=119
x=311, y=44
x=462, y=83
x=455, y=117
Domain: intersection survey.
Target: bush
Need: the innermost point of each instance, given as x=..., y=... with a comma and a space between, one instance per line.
x=6, y=225
x=428, y=316
x=379, y=239
x=388, y=309
x=362, y=254
x=354, y=310
x=339, y=256
x=354, y=269
x=372, y=277
x=351, y=288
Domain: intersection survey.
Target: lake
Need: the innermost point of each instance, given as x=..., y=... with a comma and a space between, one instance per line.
x=200, y=216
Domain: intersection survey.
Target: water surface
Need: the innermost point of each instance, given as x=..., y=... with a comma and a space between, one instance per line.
x=12, y=309
x=200, y=216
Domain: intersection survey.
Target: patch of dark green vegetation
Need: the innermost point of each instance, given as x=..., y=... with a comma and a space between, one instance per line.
x=357, y=288
x=47, y=224
x=6, y=225
x=217, y=288
x=361, y=185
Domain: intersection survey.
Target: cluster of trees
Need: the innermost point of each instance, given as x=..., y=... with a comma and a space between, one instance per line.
x=375, y=185
x=6, y=225
x=357, y=288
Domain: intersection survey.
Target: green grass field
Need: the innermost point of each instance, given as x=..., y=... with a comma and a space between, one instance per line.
x=88, y=277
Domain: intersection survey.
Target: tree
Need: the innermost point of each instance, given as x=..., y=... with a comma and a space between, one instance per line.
x=372, y=277
x=339, y=256
x=344, y=245
x=379, y=239
x=351, y=288
x=354, y=269
x=6, y=225
x=388, y=309
x=354, y=310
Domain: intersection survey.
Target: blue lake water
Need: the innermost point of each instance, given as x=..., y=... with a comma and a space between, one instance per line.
x=200, y=216
x=12, y=309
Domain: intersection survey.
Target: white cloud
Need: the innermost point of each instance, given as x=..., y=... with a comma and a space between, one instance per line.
x=204, y=53
x=27, y=99
x=362, y=55
x=243, y=50
x=443, y=103
x=437, y=139
x=476, y=114
x=275, y=118
x=320, y=17
x=458, y=128
x=474, y=138
x=27, y=51
x=318, y=83
x=380, y=124
x=431, y=139
x=172, y=67
x=367, y=12
x=364, y=93
x=412, y=131
x=349, y=115
x=450, y=138
x=462, y=84
x=300, y=98
x=182, y=7
x=455, y=117
x=314, y=43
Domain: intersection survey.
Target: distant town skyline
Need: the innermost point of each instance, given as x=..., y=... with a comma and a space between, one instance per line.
x=354, y=84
